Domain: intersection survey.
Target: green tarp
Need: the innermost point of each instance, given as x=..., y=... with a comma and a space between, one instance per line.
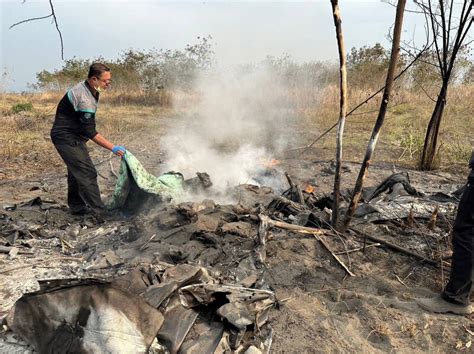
x=134, y=179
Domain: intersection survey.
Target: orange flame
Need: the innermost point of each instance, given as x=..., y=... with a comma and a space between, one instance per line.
x=271, y=163
x=309, y=189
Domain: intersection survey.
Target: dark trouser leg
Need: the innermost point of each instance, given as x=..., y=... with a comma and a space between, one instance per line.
x=74, y=199
x=459, y=286
x=80, y=167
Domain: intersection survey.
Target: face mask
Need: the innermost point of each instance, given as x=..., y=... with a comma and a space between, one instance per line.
x=99, y=89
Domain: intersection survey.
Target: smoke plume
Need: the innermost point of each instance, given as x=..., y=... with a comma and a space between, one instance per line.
x=239, y=124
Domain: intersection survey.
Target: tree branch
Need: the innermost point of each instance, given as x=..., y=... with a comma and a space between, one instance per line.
x=449, y=19
x=57, y=28
x=53, y=15
x=444, y=34
x=30, y=19
x=434, y=28
x=306, y=148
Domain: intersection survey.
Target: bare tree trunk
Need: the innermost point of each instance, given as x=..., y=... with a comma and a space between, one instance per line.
x=440, y=18
x=342, y=111
x=381, y=116
x=431, y=138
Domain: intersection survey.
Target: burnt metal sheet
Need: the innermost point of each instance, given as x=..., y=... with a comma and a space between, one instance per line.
x=178, y=322
x=208, y=336
x=91, y=318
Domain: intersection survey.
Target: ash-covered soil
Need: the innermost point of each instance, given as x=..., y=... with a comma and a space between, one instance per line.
x=320, y=307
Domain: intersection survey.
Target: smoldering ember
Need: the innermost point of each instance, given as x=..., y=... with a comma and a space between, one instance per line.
x=275, y=207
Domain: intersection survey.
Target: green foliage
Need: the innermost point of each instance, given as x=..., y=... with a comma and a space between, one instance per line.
x=425, y=72
x=138, y=70
x=459, y=152
x=367, y=66
x=129, y=68
x=299, y=75
x=154, y=70
x=178, y=68
x=73, y=71
x=367, y=55
x=21, y=107
x=400, y=109
x=468, y=77
x=411, y=144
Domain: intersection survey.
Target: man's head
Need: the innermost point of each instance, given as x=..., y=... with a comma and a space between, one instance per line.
x=99, y=77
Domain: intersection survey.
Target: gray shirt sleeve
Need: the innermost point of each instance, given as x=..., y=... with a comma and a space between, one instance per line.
x=85, y=106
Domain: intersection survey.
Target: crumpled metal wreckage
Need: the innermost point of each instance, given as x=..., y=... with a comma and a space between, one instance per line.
x=183, y=309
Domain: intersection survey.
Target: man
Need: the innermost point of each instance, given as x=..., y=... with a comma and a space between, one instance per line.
x=73, y=126
x=456, y=296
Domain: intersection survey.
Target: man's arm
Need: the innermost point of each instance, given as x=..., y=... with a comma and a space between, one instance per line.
x=102, y=141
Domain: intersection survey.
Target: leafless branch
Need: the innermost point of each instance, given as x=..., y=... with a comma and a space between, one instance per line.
x=394, y=4
x=419, y=59
x=30, y=19
x=57, y=28
x=53, y=15
x=442, y=18
x=362, y=113
x=449, y=19
x=424, y=91
x=445, y=31
x=434, y=27
x=306, y=148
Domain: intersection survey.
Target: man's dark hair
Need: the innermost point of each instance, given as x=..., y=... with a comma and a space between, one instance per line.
x=97, y=69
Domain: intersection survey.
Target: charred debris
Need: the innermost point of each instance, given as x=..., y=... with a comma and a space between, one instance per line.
x=190, y=277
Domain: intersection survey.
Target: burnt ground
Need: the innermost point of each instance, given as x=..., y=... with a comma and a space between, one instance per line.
x=321, y=308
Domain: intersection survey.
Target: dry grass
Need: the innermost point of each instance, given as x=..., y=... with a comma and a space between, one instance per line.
x=24, y=136
x=402, y=137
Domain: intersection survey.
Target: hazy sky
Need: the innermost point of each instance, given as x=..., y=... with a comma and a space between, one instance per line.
x=244, y=31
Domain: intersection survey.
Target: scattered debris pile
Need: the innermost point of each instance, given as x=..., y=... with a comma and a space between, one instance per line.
x=191, y=277
x=220, y=302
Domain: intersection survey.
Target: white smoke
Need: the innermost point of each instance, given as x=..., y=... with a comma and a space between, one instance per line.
x=240, y=123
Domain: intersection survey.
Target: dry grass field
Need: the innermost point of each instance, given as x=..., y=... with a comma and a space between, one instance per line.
x=27, y=118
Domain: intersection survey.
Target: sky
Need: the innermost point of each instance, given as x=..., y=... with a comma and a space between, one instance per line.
x=242, y=32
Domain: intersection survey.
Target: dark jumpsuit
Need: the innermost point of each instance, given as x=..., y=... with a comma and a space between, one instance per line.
x=73, y=126
x=459, y=287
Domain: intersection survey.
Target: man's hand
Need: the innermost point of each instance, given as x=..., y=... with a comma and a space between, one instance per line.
x=119, y=150
x=116, y=149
